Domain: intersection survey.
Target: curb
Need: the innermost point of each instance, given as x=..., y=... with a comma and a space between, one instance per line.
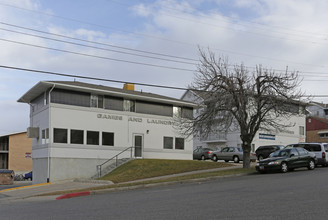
x=71, y=195
x=22, y=187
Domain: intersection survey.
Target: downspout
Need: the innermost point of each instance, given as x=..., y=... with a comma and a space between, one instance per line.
x=49, y=144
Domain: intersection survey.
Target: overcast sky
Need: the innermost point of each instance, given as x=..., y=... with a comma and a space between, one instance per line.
x=154, y=42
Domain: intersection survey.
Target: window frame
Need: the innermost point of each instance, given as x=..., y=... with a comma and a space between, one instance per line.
x=56, y=138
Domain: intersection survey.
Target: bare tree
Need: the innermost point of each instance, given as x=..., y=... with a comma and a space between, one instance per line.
x=249, y=101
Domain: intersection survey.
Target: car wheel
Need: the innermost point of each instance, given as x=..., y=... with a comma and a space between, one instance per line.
x=236, y=159
x=203, y=157
x=215, y=158
x=284, y=167
x=311, y=165
x=260, y=157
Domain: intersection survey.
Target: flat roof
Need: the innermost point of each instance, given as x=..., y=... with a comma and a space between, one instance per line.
x=43, y=86
x=13, y=133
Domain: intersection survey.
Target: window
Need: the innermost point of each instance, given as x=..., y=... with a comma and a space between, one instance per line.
x=294, y=151
x=302, y=151
x=226, y=149
x=108, y=138
x=92, y=137
x=93, y=101
x=45, y=136
x=177, y=112
x=168, y=142
x=129, y=106
x=187, y=113
x=60, y=135
x=179, y=143
x=77, y=136
x=301, y=130
x=100, y=101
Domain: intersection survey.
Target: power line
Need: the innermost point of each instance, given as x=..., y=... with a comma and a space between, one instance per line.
x=94, y=47
x=99, y=43
x=150, y=36
x=95, y=56
x=110, y=80
x=227, y=21
x=88, y=77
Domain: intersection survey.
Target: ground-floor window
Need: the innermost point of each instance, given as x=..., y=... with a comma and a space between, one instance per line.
x=179, y=143
x=108, y=138
x=77, y=136
x=92, y=137
x=168, y=143
x=60, y=135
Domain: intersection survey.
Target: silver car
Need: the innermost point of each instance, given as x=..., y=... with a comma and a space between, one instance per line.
x=234, y=154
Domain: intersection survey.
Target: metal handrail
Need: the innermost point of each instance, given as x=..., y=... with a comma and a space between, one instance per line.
x=115, y=157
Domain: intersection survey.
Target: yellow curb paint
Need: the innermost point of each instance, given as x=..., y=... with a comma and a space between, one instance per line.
x=22, y=187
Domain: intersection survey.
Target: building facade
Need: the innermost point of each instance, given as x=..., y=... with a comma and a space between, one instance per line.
x=16, y=152
x=317, y=109
x=316, y=129
x=231, y=136
x=76, y=126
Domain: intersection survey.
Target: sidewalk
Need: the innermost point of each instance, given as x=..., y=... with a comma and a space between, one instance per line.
x=80, y=184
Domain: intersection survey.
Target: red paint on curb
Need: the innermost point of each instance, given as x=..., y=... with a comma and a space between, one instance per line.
x=71, y=195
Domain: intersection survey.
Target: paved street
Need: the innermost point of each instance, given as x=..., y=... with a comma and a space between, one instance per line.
x=294, y=195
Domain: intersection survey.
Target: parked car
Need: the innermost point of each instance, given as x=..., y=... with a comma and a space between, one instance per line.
x=202, y=153
x=28, y=176
x=319, y=149
x=234, y=154
x=287, y=159
x=265, y=151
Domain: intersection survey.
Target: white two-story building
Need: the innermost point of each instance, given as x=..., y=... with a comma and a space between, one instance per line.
x=231, y=137
x=76, y=126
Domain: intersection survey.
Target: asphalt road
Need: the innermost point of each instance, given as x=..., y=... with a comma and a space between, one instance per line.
x=294, y=195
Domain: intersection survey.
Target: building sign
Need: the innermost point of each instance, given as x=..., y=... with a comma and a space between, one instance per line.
x=28, y=155
x=135, y=119
x=267, y=136
x=110, y=117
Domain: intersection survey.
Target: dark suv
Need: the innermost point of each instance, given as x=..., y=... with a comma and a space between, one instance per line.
x=264, y=151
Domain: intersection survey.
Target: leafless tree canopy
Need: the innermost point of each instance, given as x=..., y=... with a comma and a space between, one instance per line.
x=252, y=100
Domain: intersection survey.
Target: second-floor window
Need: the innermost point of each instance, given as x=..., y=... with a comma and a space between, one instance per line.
x=129, y=105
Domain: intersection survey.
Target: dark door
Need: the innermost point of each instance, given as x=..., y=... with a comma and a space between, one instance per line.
x=138, y=142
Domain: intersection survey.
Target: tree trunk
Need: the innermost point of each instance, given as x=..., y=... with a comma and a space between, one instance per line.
x=247, y=159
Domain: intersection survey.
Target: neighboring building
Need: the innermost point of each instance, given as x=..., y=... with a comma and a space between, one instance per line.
x=16, y=152
x=231, y=137
x=316, y=129
x=77, y=126
x=317, y=109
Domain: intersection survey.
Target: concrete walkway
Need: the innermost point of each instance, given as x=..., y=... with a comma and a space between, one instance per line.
x=28, y=191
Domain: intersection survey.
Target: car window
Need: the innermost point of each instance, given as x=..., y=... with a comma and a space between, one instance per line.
x=313, y=147
x=294, y=151
x=326, y=147
x=225, y=149
x=231, y=149
x=281, y=153
x=302, y=151
x=240, y=149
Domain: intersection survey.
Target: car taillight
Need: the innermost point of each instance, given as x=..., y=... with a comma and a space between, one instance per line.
x=209, y=152
x=323, y=155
